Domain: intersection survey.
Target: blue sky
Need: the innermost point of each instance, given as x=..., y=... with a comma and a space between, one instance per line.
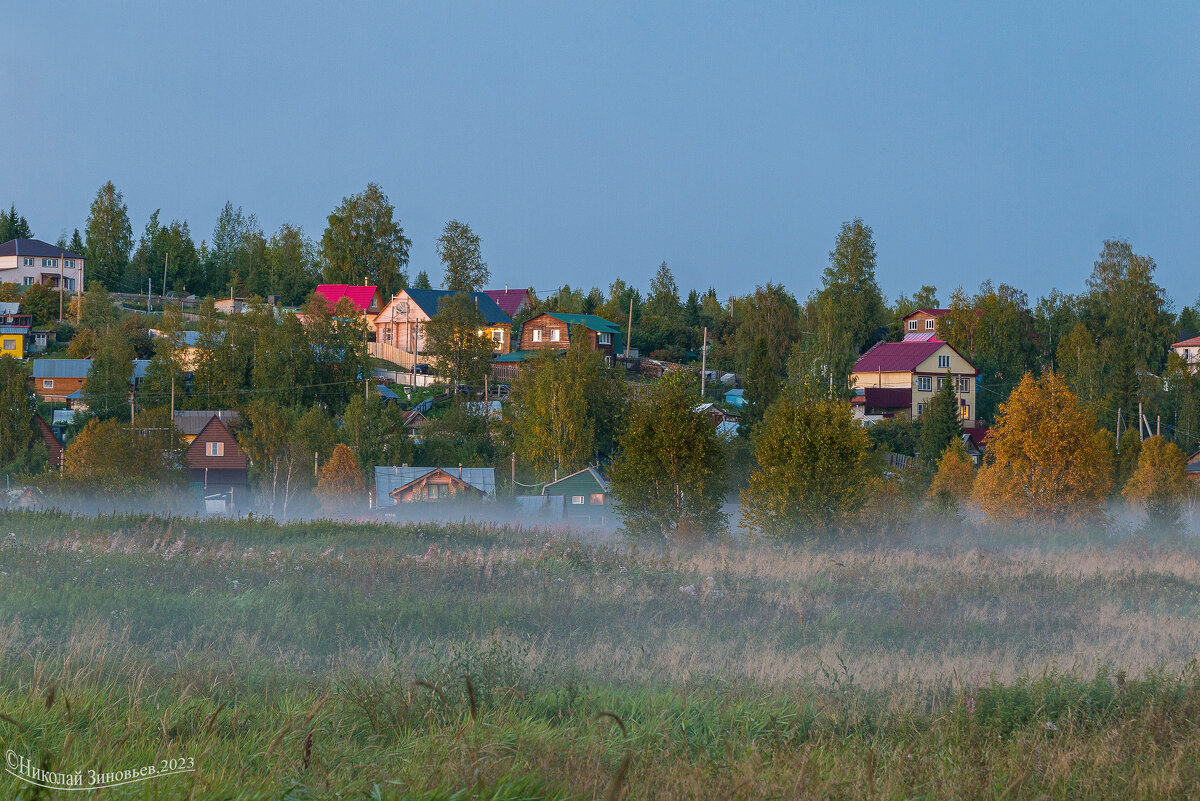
x=1002, y=141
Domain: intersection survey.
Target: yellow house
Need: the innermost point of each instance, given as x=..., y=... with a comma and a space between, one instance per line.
x=14, y=334
x=898, y=379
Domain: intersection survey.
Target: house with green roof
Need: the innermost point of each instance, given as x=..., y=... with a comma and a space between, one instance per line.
x=587, y=496
x=554, y=330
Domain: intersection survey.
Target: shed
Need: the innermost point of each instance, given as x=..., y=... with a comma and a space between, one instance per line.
x=586, y=495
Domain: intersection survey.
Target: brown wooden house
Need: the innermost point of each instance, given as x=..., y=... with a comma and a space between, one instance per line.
x=553, y=331
x=217, y=465
x=434, y=484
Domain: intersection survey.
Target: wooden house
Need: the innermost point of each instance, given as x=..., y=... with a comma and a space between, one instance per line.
x=56, y=379
x=217, y=466
x=921, y=322
x=397, y=485
x=400, y=327
x=553, y=331
x=1193, y=467
x=586, y=496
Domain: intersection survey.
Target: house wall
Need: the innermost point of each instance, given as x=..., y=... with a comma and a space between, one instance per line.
x=547, y=325
x=582, y=485
x=922, y=321
x=447, y=487
x=959, y=368
x=62, y=387
x=14, y=270
x=400, y=330
x=1190, y=355
x=216, y=431
x=12, y=345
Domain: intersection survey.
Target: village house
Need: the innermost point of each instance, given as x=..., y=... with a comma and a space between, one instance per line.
x=217, y=466
x=56, y=380
x=1193, y=467
x=433, y=484
x=400, y=325
x=909, y=375
x=553, y=331
x=365, y=298
x=1189, y=351
x=586, y=496
x=31, y=261
x=922, y=323
x=15, y=334
x=511, y=301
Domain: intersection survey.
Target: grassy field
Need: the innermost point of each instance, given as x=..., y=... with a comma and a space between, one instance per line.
x=456, y=661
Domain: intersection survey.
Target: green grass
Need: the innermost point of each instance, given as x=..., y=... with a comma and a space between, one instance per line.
x=313, y=660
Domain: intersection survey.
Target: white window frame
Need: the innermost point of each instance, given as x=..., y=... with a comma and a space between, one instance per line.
x=214, y=449
x=537, y=335
x=912, y=325
x=920, y=409
x=578, y=500
x=47, y=383
x=10, y=344
x=603, y=338
x=28, y=280
x=924, y=383
x=944, y=361
x=930, y=324
x=941, y=382
x=554, y=335
x=964, y=384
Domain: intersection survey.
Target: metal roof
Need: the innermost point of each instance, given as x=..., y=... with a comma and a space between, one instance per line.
x=428, y=300
x=35, y=247
x=930, y=312
x=192, y=423
x=895, y=357
x=386, y=393
x=360, y=296
x=390, y=479
x=591, y=321
x=61, y=368
x=14, y=329
x=10, y=308
x=885, y=397
x=509, y=300
x=1187, y=343
x=518, y=356
x=139, y=368
x=595, y=474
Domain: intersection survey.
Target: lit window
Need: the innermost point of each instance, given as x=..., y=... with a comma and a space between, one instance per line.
x=944, y=361
x=929, y=324
x=924, y=383
x=215, y=448
x=596, y=499
x=912, y=325
x=554, y=335
x=47, y=383
x=577, y=500
x=966, y=411
x=498, y=334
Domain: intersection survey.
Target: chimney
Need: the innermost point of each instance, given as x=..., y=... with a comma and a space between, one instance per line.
x=460, y=471
x=556, y=474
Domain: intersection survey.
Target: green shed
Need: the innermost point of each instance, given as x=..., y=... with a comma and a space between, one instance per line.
x=586, y=496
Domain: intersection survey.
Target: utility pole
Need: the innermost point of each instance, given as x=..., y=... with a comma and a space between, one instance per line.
x=172, y=399
x=60, y=284
x=1141, y=419
x=514, y=473
x=78, y=292
x=629, y=329
x=166, y=259
x=1118, y=430
x=703, y=361
x=149, y=286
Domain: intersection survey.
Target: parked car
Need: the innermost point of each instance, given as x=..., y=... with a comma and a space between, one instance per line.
x=421, y=369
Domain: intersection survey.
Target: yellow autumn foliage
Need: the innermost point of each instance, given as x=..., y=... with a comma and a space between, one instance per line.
x=1045, y=460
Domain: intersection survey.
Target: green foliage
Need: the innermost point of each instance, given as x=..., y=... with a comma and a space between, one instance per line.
x=850, y=309
x=364, y=240
x=895, y=435
x=770, y=313
x=422, y=281
x=812, y=468
x=109, y=237
x=167, y=246
x=42, y=302
x=375, y=432
x=669, y=472
x=13, y=225
x=17, y=409
x=97, y=311
x=117, y=458
x=291, y=267
x=461, y=351
x=761, y=385
x=458, y=248
x=109, y=382
x=941, y=424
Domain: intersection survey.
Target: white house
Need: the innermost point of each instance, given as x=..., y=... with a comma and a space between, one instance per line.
x=32, y=261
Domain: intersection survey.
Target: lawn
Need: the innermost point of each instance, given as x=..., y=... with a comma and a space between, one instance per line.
x=460, y=661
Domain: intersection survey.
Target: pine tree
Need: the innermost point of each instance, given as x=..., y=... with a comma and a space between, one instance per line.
x=109, y=238
x=762, y=385
x=941, y=424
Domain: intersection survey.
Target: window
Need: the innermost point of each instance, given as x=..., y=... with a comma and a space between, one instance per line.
x=27, y=262
x=941, y=382
x=10, y=344
x=944, y=362
x=924, y=383
x=47, y=383
x=920, y=409
x=498, y=335
x=554, y=334
x=912, y=325
x=577, y=500
x=435, y=491
x=964, y=384
x=49, y=262
x=68, y=262
x=929, y=324
x=603, y=339
x=28, y=280
x=537, y=335
x=966, y=411
x=69, y=284
x=214, y=449
x=596, y=499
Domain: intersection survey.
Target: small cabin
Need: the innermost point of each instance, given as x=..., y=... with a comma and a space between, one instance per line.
x=586, y=496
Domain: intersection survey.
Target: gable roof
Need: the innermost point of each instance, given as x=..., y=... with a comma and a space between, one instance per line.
x=10, y=308
x=599, y=479
x=360, y=296
x=192, y=423
x=428, y=299
x=509, y=300
x=589, y=321
x=898, y=357
x=930, y=312
x=390, y=479
x=61, y=368
x=215, y=430
x=1188, y=343
x=35, y=247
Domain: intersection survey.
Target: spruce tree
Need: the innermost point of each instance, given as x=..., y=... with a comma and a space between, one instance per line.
x=941, y=423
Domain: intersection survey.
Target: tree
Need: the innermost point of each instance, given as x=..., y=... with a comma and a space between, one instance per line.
x=164, y=374
x=97, y=311
x=109, y=237
x=278, y=442
x=13, y=225
x=422, y=281
x=364, y=241
x=118, y=457
x=458, y=248
x=564, y=410
x=282, y=367
x=1079, y=364
x=668, y=475
x=1159, y=483
x=664, y=294
x=1045, y=459
x=42, y=302
x=771, y=312
x=761, y=387
x=17, y=409
x=341, y=485
x=458, y=346
x=291, y=266
x=109, y=381
x=954, y=479
x=1129, y=451
x=850, y=307
x=812, y=468
x=1126, y=304
x=941, y=424
x=171, y=247
x=219, y=369
x=374, y=430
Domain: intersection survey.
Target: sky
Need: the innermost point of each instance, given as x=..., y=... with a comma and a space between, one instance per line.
x=588, y=141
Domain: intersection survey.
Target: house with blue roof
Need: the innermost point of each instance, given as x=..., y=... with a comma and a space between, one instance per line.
x=400, y=325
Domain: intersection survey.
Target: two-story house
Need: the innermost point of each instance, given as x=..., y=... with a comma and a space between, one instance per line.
x=216, y=464
x=1189, y=351
x=553, y=331
x=898, y=379
x=365, y=298
x=400, y=325
x=32, y=261
x=14, y=334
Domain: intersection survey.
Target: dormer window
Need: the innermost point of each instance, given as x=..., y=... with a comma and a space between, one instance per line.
x=912, y=325
x=929, y=324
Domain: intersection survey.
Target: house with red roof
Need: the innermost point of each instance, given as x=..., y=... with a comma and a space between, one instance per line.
x=365, y=298
x=898, y=379
x=1189, y=351
x=511, y=301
